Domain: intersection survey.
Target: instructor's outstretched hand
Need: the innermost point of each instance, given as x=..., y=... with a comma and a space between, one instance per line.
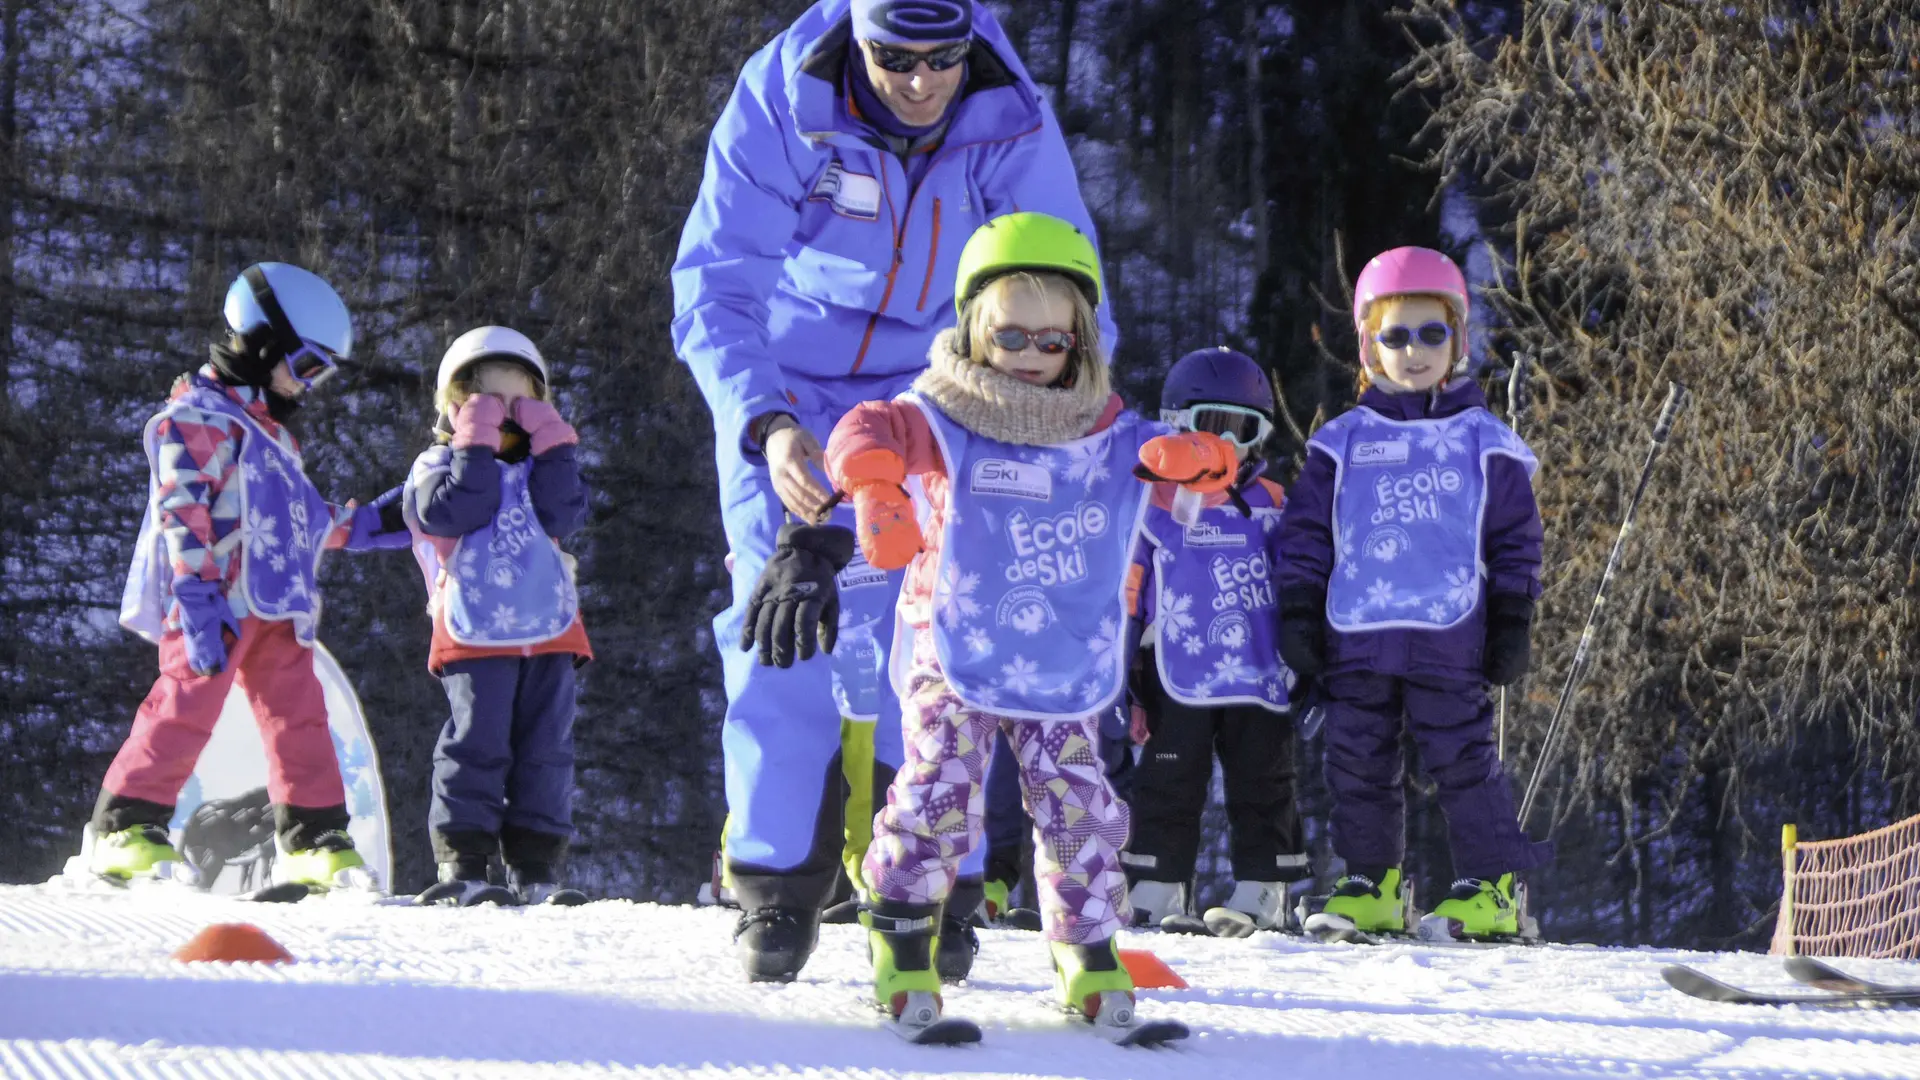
x=795, y=606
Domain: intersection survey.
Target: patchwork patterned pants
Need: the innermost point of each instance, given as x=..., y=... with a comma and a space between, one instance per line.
x=935, y=807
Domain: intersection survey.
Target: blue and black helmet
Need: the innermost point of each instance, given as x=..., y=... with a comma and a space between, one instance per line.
x=280, y=312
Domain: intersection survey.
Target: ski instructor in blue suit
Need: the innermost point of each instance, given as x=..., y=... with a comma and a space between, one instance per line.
x=861, y=147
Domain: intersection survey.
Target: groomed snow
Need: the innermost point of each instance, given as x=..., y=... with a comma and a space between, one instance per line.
x=619, y=989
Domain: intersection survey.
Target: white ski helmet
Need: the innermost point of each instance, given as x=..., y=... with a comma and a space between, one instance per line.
x=489, y=343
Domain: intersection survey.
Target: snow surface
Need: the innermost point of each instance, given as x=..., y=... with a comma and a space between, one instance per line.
x=620, y=989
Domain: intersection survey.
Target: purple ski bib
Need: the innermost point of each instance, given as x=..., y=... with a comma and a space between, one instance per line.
x=1216, y=617
x=1028, y=607
x=1408, y=501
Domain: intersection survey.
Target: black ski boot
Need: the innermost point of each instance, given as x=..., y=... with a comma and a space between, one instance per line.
x=953, y=959
x=463, y=883
x=773, y=943
x=537, y=883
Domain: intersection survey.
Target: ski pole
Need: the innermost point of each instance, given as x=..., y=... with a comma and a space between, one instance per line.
x=1669, y=412
x=1516, y=401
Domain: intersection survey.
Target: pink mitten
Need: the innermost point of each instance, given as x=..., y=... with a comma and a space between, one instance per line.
x=478, y=422
x=541, y=421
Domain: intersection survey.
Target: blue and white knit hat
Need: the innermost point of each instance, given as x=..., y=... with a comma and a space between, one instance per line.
x=912, y=22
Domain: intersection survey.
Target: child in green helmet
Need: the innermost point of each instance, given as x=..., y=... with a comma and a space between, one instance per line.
x=1015, y=560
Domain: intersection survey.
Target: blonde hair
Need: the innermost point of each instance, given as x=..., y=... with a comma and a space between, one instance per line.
x=1376, y=317
x=450, y=397
x=1086, y=362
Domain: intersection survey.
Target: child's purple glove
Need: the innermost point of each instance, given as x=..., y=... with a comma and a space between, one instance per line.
x=477, y=423
x=377, y=526
x=543, y=425
x=205, y=618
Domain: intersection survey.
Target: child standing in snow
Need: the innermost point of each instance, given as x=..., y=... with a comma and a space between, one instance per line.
x=224, y=581
x=488, y=503
x=1012, y=601
x=1209, y=678
x=1412, y=565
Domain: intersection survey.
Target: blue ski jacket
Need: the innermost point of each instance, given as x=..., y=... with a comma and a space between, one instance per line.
x=810, y=268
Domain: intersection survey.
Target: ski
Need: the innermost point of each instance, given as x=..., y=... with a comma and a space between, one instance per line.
x=1827, y=977
x=1226, y=922
x=1441, y=930
x=920, y=1023
x=1148, y=1033
x=1190, y=925
x=1119, y=1024
x=287, y=892
x=465, y=894
x=1020, y=919
x=1695, y=983
x=1338, y=929
x=946, y=1031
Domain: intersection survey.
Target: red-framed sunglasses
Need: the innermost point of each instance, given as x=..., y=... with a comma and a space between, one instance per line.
x=1016, y=339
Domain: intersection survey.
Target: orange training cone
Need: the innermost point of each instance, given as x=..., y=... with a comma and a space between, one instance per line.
x=1150, y=972
x=233, y=943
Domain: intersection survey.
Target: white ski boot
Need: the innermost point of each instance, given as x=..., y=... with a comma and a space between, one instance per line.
x=1254, y=905
x=1153, y=901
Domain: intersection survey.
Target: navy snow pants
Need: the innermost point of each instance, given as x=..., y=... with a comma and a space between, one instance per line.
x=504, y=764
x=1451, y=720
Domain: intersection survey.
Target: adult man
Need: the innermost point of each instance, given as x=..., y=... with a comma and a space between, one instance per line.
x=861, y=147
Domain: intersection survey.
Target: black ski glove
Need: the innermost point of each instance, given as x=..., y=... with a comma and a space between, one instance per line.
x=796, y=603
x=1509, y=651
x=1303, y=631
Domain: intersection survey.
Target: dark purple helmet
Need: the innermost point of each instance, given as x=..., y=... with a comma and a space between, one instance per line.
x=1219, y=376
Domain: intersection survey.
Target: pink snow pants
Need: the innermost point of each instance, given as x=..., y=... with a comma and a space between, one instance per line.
x=275, y=672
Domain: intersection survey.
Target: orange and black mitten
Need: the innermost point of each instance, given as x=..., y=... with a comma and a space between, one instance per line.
x=1197, y=460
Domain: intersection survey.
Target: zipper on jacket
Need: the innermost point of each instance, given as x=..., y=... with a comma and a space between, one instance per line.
x=893, y=271
x=933, y=254
x=900, y=235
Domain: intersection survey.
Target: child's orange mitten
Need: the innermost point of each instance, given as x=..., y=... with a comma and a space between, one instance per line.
x=1198, y=460
x=883, y=513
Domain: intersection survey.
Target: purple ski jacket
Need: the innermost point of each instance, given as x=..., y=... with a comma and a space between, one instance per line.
x=1510, y=548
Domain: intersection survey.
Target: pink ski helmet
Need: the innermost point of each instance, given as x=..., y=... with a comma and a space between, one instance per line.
x=1411, y=270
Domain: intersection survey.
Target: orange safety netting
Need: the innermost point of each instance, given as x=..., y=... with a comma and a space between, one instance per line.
x=1855, y=896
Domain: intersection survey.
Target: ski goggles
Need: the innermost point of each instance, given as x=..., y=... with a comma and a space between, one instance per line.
x=1239, y=425
x=1015, y=339
x=903, y=61
x=311, y=364
x=1432, y=335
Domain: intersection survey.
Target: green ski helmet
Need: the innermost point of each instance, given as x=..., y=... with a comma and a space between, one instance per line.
x=1026, y=241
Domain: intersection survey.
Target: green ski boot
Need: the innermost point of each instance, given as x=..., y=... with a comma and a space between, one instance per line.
x=902, y=939
x=1094, y=985
x=1475, y=908
x=1361, y=907
x=143, y=851
x=331, y=863
x=996, y=903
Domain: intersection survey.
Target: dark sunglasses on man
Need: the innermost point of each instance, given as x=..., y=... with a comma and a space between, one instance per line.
x=902, y=61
